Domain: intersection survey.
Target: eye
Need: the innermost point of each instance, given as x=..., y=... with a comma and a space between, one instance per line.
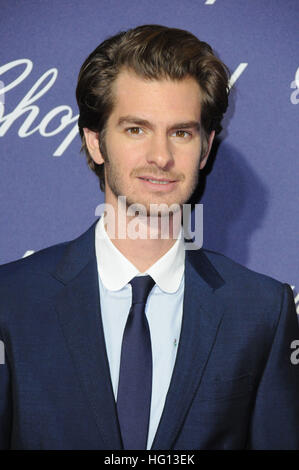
x=181, y=133
x=134, y=130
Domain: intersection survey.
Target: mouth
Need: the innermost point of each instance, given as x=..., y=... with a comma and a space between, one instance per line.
x=157, y=180
x=159, y=184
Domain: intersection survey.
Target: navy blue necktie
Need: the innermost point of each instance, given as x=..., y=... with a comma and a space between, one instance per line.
x=135, y=374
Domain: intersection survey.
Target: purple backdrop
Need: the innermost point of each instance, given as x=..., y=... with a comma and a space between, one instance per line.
x=49, y=195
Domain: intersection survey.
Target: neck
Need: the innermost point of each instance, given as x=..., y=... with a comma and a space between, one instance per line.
x=142, y=239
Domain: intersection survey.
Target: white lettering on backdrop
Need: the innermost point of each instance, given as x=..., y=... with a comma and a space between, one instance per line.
x=31, y=111
x=26, y=106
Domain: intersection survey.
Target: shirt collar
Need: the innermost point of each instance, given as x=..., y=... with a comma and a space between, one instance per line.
x=115, y=270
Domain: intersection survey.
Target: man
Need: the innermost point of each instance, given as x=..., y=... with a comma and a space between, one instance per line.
x=114, y=341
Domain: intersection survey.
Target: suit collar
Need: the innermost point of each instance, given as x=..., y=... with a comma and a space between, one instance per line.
x=82, y=249
x=78, y=307
x=208, y=275
x=78, y=254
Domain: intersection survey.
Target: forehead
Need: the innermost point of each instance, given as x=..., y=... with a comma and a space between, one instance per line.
x=153, y=98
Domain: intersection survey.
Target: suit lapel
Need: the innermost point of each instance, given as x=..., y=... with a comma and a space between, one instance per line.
x=201, y=319
x=78, y=307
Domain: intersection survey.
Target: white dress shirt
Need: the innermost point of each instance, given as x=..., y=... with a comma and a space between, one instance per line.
x=164, y=311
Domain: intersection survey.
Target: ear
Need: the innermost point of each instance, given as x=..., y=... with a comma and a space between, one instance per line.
x=205, y=157
x=92, y=143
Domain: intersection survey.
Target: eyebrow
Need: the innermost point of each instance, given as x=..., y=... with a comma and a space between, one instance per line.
x=143, y=122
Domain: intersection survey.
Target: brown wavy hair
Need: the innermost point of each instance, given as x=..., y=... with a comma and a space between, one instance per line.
x=152, y=52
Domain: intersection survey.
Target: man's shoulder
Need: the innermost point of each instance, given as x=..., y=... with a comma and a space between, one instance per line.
x=28, y=282
x=48, y=258
x=47, y=269
x=233, y=268
x=242, y=280
x=42, y=261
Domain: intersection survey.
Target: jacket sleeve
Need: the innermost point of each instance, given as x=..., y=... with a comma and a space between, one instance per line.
x=5, y=399
x=275, y=418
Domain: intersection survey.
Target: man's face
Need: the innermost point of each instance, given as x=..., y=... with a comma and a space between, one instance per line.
x=152, y=141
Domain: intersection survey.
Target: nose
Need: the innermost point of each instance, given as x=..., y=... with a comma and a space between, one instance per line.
x=159, y=152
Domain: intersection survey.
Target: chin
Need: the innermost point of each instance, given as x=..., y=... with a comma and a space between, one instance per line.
x=156, y=211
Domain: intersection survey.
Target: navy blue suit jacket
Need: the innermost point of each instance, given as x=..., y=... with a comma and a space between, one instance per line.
x=233, y=384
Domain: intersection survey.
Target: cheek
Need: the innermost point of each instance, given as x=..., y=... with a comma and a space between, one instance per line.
x=124, y=151
x=190, y=167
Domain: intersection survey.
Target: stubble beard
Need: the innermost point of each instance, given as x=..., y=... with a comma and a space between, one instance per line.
x=113, y=177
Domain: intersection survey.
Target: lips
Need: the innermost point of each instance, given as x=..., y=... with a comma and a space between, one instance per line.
x=157, y=185
x=154, y=179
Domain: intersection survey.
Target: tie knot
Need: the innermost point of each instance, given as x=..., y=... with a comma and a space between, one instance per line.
x=141, y=287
